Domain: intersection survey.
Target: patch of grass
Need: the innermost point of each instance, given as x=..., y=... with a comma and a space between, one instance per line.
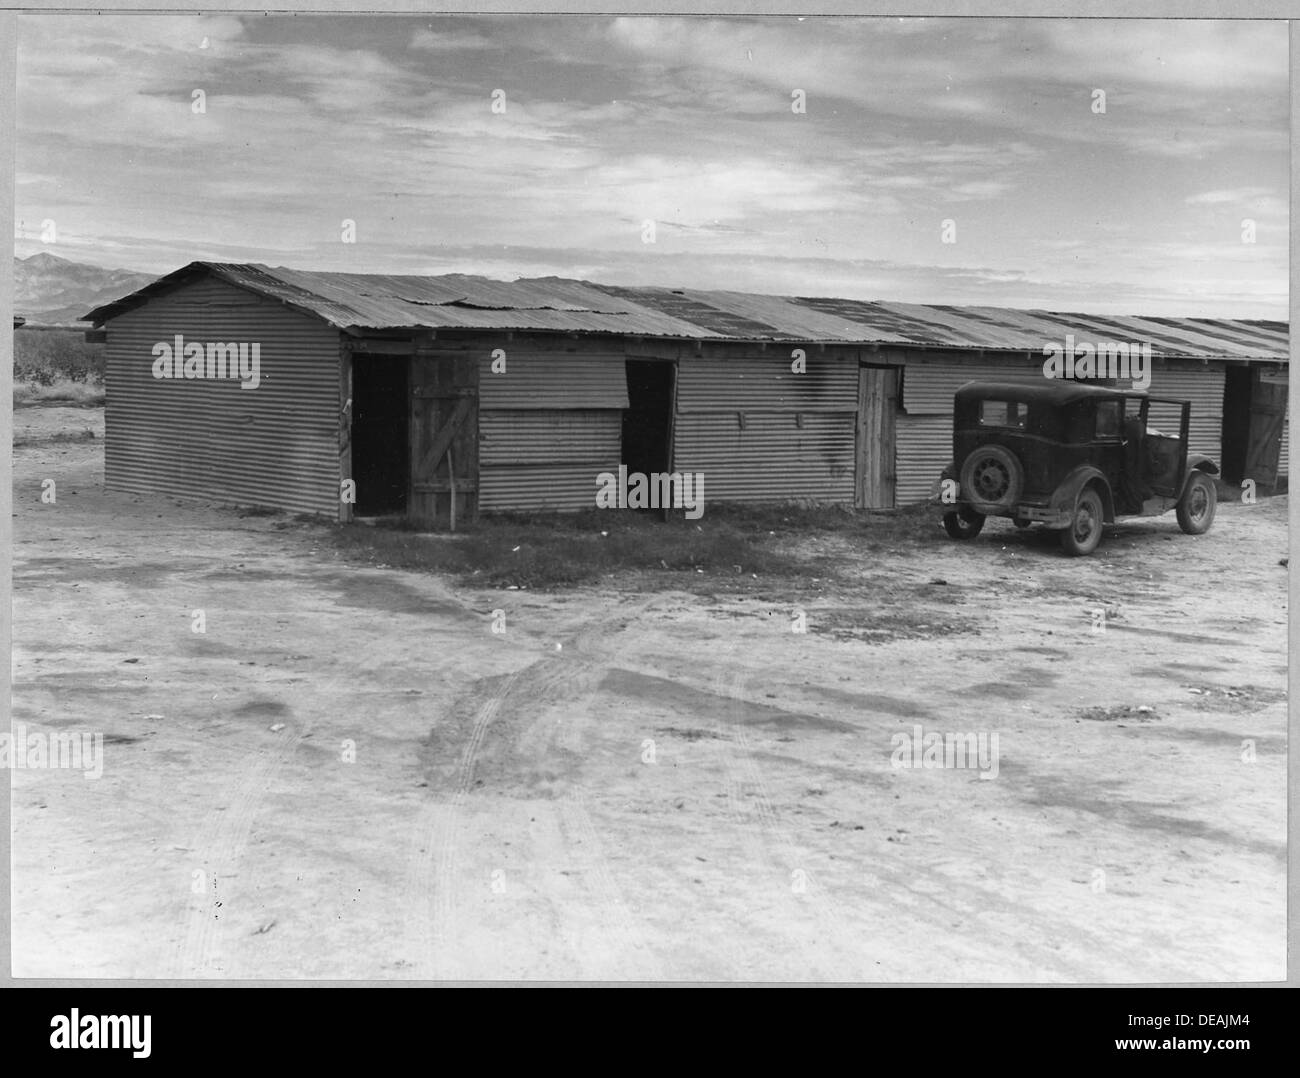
x=86, y=394
x=733, y=543
x=910, y=620
x=1239, y=698
x=1128, y=712
x=58, y=436
x=880, y=526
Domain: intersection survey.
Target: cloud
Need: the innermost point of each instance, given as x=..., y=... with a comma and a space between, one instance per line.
x=687, y=122
x=1262, y=201
x=429, y=40
x=1200, y=84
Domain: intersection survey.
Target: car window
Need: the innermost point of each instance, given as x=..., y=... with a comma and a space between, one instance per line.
x=1003, y=414
x=1108, y=419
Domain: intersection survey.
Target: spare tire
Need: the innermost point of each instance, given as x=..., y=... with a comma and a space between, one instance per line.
x=992, y=479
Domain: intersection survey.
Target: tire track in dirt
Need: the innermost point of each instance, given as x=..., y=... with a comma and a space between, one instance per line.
x=933, y=899
x=773, y=842
x=447, y=823
x=220, y=844
x=927, y=894
x=609, y=912
x=596, y=656
x=227, y=827
x=432, y=877
x=430, y=863
x=611, y=917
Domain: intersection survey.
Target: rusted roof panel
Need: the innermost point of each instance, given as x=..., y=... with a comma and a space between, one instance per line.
x=361, y=301
x=457, y=301
x=695, y=308
x=1001, y=328
x=785, y=318
x=453, y=301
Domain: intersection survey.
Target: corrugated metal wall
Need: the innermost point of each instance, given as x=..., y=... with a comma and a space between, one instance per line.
x=548, y=437
x=769, y=456
x=553, y=380
x=925, y=430
x=548, y=426
x=1203, y=386
x=1284, y=456
x=765, y=382
x=923, y=447
x=928, y=387
x=276, y=445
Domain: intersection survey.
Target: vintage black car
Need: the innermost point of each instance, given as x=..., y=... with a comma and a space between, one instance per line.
x=1070, y=457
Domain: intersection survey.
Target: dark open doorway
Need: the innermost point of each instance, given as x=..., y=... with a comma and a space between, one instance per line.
x=648, y=421
x=1237, y=383
x=1254, y=416
x=381, y=453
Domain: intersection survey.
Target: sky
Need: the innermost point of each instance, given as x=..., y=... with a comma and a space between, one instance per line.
x=523, y=146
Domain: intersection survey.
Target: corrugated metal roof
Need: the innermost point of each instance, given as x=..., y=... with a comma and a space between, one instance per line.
x=362, y=301
x=358, y=301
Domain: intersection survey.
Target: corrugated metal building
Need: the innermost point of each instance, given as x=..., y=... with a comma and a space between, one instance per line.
x=457, y=394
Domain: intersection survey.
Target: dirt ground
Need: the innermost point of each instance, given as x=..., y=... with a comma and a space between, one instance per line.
x=350, y=775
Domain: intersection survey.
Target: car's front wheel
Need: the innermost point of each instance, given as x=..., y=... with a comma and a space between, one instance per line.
x=1196, y=507
x=1084, y=532
x=963, y=523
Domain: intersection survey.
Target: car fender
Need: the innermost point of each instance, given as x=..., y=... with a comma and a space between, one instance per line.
x=1067, y=491
x=1197, y=462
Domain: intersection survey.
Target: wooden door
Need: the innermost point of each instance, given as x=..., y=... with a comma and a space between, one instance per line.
x=1264, y=442
x=877, y=407
x=444, y=437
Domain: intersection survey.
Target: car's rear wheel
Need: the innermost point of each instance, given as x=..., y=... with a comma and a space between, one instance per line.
x=963, y=523
x=992, y=478
x=1084, y=532
x=1196, y=507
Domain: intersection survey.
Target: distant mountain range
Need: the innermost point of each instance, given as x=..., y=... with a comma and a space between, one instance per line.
x=49, y=290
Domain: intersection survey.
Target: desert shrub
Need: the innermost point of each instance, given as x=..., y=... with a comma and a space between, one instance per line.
x=45, y=357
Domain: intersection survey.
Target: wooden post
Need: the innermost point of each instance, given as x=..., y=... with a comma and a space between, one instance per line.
x=451, y=481
x=345, y=509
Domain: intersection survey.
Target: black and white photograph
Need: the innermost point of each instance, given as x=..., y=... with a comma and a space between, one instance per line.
x=649, y=499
